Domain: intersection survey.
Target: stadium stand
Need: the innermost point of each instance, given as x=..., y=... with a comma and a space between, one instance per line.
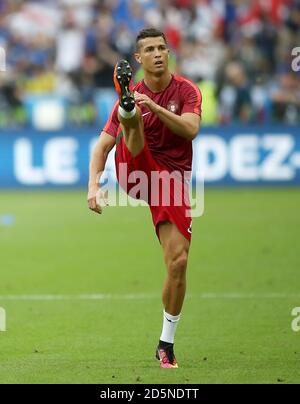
x=239, y=51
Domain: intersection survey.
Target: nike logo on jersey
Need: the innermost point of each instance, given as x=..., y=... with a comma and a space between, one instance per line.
x=147, y=113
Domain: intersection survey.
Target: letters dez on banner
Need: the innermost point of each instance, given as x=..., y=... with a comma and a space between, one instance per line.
x=227, y=156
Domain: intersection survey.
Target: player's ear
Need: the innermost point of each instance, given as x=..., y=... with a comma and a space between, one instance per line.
x=138, y=58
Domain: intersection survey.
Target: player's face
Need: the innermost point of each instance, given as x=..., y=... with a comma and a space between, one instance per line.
x=153, y=54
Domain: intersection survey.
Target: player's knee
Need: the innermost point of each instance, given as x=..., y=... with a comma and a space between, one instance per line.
x=178, y=266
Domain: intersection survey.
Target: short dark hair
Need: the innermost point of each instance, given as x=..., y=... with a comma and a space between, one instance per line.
x=149, y=33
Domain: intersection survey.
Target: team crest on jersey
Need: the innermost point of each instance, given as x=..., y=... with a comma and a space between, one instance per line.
x=173, y=107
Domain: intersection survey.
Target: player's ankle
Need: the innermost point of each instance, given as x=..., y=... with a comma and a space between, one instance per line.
x=127, y=114
x=164, y=345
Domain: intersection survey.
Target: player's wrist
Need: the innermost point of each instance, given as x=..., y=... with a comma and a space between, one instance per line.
x=157, y=109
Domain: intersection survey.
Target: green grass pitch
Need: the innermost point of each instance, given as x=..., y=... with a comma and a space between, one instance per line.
x=243, y=282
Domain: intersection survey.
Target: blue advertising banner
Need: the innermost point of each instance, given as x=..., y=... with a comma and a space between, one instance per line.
x=226, y=155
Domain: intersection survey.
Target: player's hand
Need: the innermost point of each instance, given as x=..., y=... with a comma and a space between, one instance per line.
x=97, y=199
x=142, y=99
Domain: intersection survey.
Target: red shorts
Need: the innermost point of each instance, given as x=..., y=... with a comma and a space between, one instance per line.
x=167, y=204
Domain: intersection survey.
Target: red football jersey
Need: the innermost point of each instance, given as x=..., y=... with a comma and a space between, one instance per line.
x=168, y=149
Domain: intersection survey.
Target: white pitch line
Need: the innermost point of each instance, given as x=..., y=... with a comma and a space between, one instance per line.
x=98, y=296
x=102, y=296
x=251, y=296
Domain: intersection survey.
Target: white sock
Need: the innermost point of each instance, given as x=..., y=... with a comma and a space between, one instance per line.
x=169, y=327
x=125, y=114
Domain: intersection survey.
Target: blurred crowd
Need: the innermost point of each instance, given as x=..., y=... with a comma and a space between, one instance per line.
x=238, y=51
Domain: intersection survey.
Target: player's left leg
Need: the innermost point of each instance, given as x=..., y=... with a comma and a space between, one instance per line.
x=176, y=250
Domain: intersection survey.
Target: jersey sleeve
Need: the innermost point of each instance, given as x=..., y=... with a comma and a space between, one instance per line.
x=192, y=98
x=113, y=124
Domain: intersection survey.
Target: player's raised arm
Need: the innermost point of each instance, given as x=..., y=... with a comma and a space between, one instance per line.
x=187, y=125
x=97, y=165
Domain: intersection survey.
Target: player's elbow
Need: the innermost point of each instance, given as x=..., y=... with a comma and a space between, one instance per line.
x=104, y=146
x=190, y=126
x=193, y=132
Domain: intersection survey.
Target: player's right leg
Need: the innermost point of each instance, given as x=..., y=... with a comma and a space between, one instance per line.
x=130, y=116
x=176, y=250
